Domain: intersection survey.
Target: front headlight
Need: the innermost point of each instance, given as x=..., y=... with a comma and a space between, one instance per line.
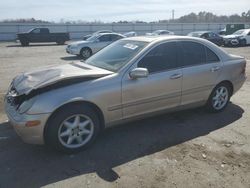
x=26, y=105
x=73, y=46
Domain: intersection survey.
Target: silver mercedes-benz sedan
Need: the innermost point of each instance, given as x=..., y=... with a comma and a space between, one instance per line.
x=67, y=106
x=93, y=44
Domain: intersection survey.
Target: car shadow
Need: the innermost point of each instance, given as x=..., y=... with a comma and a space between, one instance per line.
x=36, y=166
x=35, y=45
x=71, y=58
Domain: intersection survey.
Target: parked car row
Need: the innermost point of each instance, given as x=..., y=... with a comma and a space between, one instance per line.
x=238, y=38
x=92, y=43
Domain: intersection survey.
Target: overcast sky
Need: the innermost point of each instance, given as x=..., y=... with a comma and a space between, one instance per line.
x=115, y=10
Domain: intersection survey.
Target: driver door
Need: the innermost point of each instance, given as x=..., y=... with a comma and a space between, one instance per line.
x=160, y=90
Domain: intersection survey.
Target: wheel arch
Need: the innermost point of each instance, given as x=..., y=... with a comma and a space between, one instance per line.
x=229, y=83
x=86, y=47
x=82, y=102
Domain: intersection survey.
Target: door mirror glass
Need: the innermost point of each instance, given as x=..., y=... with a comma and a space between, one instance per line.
x=138, y=73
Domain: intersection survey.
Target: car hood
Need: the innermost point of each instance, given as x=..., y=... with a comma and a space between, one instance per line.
x=29, y=81
x=231, y=36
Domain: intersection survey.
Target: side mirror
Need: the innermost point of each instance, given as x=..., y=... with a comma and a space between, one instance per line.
x=138, y=73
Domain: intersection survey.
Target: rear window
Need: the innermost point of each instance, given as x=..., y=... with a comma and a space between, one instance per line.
x=211, y=56
x=192, y=53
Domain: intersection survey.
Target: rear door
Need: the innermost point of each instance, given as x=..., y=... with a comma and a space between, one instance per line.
x=44, y=35
x=201, y=68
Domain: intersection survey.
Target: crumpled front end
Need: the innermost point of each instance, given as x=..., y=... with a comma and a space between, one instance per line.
x=29, y=127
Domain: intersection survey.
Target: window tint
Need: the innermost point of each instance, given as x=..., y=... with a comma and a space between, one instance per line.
x=211, y=56
x=105, y=38
x=162, y=57
x=205, y=35
x=115, y=37
x=36, y=31
x=192, y=53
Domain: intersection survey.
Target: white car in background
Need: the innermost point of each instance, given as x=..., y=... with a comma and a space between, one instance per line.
x=240, y=37
x=130, y=34
x=93, y=44
x=160, y=32
x=96, y=33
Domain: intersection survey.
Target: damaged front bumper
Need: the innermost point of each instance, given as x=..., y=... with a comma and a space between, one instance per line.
x=29, y=134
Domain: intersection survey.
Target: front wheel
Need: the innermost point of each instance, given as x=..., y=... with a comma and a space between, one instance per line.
x=72, y=128
x=60, y=41
x=24, y=42
x=219, y=98
x=85, y=53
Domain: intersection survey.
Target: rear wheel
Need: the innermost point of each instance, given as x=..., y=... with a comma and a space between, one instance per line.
x=60, y=41
x=72, y=128
x=219, y=98
x=85, y=53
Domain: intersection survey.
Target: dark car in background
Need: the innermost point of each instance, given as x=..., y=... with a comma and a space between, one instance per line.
x=38, y=35
x=209, y=35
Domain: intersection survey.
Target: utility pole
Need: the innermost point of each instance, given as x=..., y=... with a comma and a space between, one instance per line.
x=173, y=14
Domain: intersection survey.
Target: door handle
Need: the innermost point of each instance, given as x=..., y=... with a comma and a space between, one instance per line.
x=214, y=69
x=176, y=76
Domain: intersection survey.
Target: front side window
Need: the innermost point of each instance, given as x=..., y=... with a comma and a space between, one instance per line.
x=192, y=53
x=161, y=58
x=115, y=37
x=36, y=31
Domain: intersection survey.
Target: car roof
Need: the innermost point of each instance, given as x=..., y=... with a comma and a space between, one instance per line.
x=164, y=38
x=100, y=34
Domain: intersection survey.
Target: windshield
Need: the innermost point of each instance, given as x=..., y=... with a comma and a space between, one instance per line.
x=116, y=55
x=239, y=32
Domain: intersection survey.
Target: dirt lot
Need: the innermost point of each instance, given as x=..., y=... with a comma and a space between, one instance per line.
x=184, y=149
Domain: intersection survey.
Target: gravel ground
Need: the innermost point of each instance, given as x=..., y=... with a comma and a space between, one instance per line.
x=183, y=149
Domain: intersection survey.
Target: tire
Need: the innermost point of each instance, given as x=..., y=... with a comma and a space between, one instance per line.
x=85, y=53
x=243, y=42
x=24, y=42
x=60, y=41
x=72, y=129
x=219, y=98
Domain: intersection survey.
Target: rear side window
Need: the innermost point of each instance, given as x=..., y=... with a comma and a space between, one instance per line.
x=115, y=37
x=192, y=53
x=36, y=31
x=162, y=57
x=105, y=38
x=211, y=56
